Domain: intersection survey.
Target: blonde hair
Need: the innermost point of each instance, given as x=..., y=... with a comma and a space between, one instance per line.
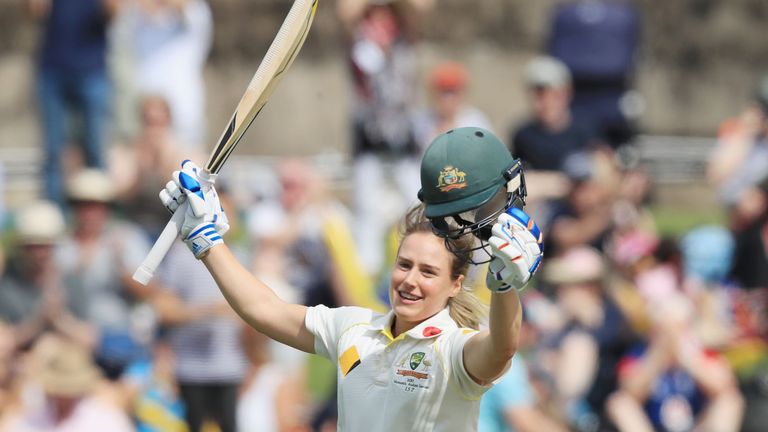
x=465, y=309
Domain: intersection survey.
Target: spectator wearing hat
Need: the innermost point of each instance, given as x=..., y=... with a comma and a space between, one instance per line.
x=99, y=256
x=63, y=394
x=449, y=109
x=32, y=298
x=544, y=142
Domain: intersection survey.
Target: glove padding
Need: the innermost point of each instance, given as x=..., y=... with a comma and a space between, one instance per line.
x=517, y=247
x=204, y=221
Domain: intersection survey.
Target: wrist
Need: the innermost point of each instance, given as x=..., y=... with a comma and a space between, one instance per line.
x=509, y=293
x=202, y=239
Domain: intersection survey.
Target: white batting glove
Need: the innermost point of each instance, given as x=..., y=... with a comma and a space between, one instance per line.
x=204, y=221
x=517, y=246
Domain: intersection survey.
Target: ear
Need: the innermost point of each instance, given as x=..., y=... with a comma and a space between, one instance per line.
x=457, y=286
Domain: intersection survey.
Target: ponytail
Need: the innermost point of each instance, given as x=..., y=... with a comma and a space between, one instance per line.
x=467, y=310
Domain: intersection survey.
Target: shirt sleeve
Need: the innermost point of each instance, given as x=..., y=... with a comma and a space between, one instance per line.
x=328, y=324
x=455, y=349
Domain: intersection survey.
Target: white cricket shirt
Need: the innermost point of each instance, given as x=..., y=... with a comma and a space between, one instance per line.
x=415, y=382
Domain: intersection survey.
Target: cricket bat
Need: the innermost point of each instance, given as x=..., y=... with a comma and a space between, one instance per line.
x=278, y=58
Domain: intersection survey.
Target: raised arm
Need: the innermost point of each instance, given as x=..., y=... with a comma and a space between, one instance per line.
x=487, y=354
x=517, y=249
x=201, y=230
x=256, y=303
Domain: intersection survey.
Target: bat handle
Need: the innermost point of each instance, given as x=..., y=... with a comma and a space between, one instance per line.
x=161, y=247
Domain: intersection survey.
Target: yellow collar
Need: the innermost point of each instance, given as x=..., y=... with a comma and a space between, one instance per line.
x=429, y=328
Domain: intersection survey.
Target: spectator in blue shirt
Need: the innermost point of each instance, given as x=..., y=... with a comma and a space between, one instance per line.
x=510, y=405
x=72, y=79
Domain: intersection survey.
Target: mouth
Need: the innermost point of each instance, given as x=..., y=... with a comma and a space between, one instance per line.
x=408, y=297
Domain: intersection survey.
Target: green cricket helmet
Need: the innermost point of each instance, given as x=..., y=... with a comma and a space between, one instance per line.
x=468, y=178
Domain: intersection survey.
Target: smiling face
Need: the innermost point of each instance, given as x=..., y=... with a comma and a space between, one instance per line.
x=422, y=280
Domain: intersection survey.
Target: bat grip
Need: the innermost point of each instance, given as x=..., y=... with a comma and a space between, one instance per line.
x=161, y=247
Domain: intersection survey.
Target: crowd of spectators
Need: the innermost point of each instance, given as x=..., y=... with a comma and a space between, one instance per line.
x=625, y=328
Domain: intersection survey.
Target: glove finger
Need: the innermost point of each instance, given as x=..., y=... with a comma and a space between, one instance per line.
x=174, y=191
x=505, y=249
x=190, y=167
x=513, y=230
x=175, y=194
x=168, y=201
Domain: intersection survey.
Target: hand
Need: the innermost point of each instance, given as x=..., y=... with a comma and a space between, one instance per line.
x=517, y=246
x=205, y=221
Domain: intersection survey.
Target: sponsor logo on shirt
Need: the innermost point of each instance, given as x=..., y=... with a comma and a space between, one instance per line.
x=412, y=371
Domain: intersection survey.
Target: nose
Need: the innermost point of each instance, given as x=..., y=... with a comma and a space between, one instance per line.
x=411, y=278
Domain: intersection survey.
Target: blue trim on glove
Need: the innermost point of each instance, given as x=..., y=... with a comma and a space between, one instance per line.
x=529, y=224
x=191, y=184
x=197, y=231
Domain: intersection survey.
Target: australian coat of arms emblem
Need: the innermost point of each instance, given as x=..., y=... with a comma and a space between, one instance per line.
x=451, y=178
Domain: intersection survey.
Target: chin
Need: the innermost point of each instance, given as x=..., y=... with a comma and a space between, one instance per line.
x=407, y=312
x=412, y=313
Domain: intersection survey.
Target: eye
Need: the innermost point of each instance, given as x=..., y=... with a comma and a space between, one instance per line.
x=403, y=265
x=429, y=272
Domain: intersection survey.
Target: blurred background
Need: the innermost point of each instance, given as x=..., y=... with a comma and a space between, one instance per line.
x=643, y=127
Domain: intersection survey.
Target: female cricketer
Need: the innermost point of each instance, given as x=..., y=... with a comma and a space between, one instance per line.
x=424, y=365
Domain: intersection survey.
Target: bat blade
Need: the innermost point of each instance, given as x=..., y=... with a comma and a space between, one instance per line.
x=281, y=53
x=284, y=49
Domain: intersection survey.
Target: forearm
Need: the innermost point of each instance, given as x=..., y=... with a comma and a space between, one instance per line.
x=79, y=331
x=246, y=294
x=713, y=376
x=173, y=311
x=578, y=231
x=638, y=384
x=256, y=303
x=727, y=158
x=505, y=319
x=487, y=354
x=27, y=331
